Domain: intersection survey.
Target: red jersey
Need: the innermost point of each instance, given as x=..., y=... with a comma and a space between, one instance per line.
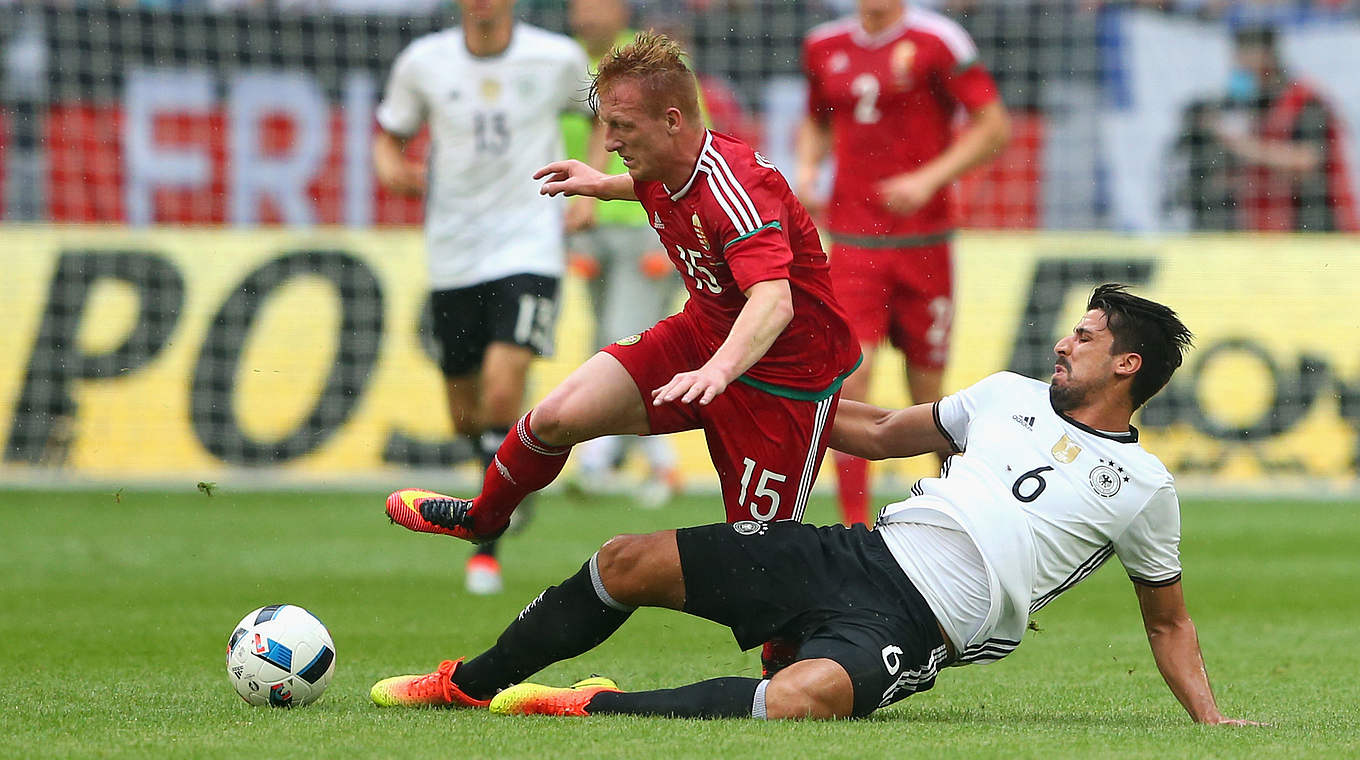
x=736, y=223
x=890, y=100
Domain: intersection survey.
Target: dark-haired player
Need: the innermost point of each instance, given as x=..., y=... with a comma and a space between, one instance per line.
x=1049, y=483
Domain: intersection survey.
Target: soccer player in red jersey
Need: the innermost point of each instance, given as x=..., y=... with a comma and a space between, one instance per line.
x=757, y=356
x=884, y=87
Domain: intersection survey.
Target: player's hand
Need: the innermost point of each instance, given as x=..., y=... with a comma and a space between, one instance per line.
x=906, y=193
x=580, y=214
x=701, y=385
x=570, y=177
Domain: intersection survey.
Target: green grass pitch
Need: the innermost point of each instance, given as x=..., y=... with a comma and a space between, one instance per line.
x=114, y=616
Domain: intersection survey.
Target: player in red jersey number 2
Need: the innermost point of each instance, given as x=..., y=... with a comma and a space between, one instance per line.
x=884, y=87
x=756, y=357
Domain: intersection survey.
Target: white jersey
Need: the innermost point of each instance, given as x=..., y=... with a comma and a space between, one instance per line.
x=1046, y=500
x=493, y=123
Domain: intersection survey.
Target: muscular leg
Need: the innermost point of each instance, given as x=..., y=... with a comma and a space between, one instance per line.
x=635, y=571
x=599, y=398
x=581, y=612
x=852, y=473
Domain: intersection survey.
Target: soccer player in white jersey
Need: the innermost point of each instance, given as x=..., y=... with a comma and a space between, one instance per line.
x=491, y=92
x=946, y=577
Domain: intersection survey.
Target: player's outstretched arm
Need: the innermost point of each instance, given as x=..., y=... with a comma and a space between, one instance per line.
x=1175, y=647
x=572, y=177
x=868, y=431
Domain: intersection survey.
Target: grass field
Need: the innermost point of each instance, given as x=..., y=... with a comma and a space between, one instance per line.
x=114, y=615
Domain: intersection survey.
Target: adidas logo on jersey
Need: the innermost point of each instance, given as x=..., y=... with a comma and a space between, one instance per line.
x=1028, y=422
x=656, y=221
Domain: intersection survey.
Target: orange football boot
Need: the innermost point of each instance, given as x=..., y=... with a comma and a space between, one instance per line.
x=430, y=690
x=429, y=512
x=535, y=699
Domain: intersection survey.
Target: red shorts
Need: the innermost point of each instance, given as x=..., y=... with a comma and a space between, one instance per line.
x=766, y=448
x=904, y=294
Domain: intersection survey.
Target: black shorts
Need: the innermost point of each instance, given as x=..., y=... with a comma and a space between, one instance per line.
x=836, y=590
x=520, y=309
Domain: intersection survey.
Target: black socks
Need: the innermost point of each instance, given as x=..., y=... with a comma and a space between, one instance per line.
x=717, y=698
x=563, y=622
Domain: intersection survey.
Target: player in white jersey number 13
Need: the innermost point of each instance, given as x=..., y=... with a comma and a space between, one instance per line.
x=947, y=577
x=491, y=92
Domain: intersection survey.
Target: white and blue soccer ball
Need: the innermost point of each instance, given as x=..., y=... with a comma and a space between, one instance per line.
x=280, y=655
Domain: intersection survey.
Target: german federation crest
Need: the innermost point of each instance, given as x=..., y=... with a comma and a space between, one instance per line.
x=749, y=527
x=1107, y=478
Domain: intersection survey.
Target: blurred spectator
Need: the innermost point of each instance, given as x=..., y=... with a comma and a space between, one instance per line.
x=1293, y=173
x=1270, y=155
x=1201, y=171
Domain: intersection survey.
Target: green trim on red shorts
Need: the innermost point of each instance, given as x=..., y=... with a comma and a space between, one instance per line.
x=798, y=394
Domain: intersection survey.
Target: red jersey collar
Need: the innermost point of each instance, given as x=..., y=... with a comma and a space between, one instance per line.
x=698, y=167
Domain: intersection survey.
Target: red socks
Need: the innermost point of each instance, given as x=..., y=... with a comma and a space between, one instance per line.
x=523, y=464
x=852, y=486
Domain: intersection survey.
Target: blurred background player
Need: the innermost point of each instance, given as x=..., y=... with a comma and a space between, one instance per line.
x=492, y=91
x=631, y=281
x=1288, y=144
x=884, y=87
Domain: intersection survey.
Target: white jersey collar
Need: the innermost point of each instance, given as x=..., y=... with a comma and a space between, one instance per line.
x=866, y=40
x=699, y=166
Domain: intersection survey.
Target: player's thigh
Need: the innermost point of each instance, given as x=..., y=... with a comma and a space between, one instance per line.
x=862, y=288
x=598, y=398
x=923, y=306
x=521, y=310
x=458, y=321
x=758, y=579
x=878, y=627
x=885, y=659
x=767, y=450
x=654, y=356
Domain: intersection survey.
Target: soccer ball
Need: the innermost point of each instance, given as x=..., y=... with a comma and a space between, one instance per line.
x=280, y=656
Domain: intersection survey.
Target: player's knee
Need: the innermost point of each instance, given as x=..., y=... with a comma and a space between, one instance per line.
x=810, y=690
x=635, y=570
x=620, y=561
x=554, y=419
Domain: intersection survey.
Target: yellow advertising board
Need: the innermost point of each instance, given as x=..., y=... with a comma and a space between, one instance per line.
x=170, y=353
